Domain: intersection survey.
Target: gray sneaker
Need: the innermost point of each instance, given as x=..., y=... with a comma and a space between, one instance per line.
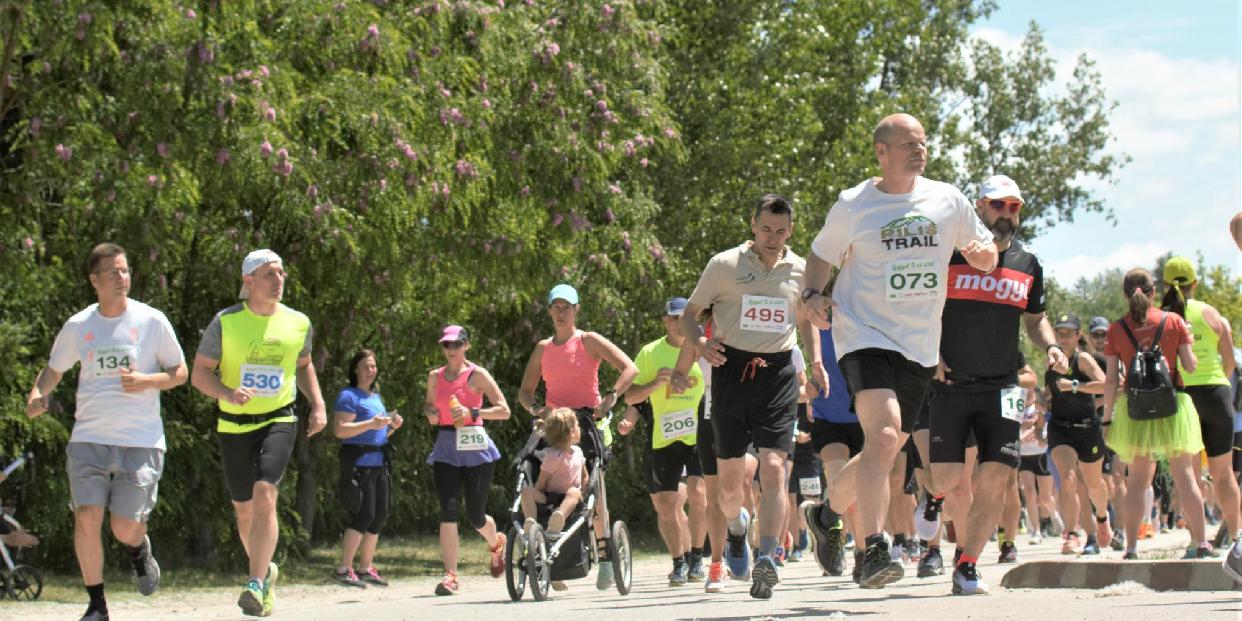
x=763, y=577
x=1232, y=563
x=680, y=574
x=603, y=577
x=146, y=570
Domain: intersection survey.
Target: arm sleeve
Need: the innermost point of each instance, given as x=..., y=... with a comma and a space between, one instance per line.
x=1035, y=300
x=833, y=240
x=709, y=284
x=212, y=343
x=169, y=354
x=969, y=226
x=64, y=350
x=306, y=346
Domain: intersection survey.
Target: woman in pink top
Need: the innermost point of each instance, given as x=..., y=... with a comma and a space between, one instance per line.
x=463, y=457
x=568, y=364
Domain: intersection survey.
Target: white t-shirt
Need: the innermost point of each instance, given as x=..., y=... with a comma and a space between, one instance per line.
x=140, y=338
x=894, y=251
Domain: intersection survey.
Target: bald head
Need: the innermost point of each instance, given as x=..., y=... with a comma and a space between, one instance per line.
x=1235, y=227
x=894, y=124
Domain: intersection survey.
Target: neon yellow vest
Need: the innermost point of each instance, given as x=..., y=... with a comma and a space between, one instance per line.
x=1204, y=344
x=674, y=415
x=261, y=353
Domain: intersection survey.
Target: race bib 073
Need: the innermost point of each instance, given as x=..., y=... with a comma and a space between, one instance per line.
x=264, y=379
x=763, y=313
x=914, y=280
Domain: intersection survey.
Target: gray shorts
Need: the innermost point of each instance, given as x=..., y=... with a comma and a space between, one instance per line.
x=124, y=479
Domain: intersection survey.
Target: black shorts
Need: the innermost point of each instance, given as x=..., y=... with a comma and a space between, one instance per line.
x=873, y=368
x=705, y=443
x=1085, y=437
x=1035, y=464
x=825, y=432
x=665, y=465
x=810, y=470
x=1215, y=417
x=754, y=401
x=1110, y=461
x=259, y=455
x=954, y=415
x=924, y=421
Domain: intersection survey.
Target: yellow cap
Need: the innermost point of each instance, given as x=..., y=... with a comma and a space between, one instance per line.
x=1179, y=271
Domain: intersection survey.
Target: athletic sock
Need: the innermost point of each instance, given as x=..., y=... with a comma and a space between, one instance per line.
x=96, y=593
x=1000, y=536
x=967, y=559
x=899, y=540
x=694, y=553
x=767, y=545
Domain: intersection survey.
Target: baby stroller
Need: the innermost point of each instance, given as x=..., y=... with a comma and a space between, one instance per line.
x=17, y=581
x=536, y=558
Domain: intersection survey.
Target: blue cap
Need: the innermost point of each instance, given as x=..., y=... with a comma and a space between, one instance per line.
x=1097, y=324
x=674, y=307
x=563, y=292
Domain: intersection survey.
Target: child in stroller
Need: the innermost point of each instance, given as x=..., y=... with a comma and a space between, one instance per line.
x=562, y=474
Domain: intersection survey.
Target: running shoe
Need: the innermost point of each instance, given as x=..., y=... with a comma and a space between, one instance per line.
x=1091, y=548
x=1069, y=545
x=94, y=615
x=878, y=567
x=349, y=578
x=1058, y=525
x=966, y=580
x=1222, y=538
x=1035, y=539
x=694, y=569
x=497, y=565
x=914, y=551
x=680, y=574
x=1130, y=555
x=146, y=570
x=603, y=578
x=251, y=600
x=1204, y=550
x=1119, y=540
x=1008, y=553
x=763, y=577
x=927, y=517
x=1232, y=563
x=804, y=540
x=372, y=576
x=737, y=551
x=269, y=588
x=449, y=585
x=778, y=557
x=827, y=540
x=795, y=556
x=932, y=564
x=715, y=578
x=858, y=564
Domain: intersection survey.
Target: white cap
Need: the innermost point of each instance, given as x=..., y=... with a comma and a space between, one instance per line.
x=254, y=261
x=1000, y=186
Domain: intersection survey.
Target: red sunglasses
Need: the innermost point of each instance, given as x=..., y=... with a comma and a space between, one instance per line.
x=1002, y=205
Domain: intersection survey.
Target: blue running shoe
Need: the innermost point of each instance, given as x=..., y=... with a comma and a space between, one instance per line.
x=737, y=551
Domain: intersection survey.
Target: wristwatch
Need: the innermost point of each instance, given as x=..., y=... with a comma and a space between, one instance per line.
x=1049, y=348
x=1074, y=386
x=474, y=414
x=808, y=292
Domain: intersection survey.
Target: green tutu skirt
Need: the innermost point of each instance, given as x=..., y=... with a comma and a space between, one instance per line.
x=1158, y=439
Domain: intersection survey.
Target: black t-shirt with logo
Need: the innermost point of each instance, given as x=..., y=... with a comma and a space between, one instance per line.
x=979, y=342
x=1067, y=406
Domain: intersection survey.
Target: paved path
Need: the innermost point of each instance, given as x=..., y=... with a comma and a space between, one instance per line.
x=802, y=594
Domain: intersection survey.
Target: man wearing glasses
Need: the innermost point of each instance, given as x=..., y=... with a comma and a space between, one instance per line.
x=128, y=353
x=976, y=387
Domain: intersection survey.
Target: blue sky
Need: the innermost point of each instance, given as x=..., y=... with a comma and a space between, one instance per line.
x=1175, y=71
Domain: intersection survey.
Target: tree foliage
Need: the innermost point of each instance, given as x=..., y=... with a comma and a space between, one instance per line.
x=424, y=162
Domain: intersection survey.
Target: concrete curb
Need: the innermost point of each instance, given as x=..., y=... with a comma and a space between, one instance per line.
x=1162, y=575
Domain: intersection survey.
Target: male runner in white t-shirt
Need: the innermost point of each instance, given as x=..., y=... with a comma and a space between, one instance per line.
x=128, y=353
x=892, y=239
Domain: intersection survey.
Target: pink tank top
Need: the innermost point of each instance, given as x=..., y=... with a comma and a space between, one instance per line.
x=570, y=375
x=459, y=387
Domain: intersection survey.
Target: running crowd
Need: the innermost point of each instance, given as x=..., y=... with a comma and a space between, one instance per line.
x=782, y=388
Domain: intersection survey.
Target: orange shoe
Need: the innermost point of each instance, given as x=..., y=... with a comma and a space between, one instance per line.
x=715, y=578
x=449, y=585
x=498, y=556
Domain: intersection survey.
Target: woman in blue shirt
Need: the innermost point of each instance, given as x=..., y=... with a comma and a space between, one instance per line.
x=363, y=425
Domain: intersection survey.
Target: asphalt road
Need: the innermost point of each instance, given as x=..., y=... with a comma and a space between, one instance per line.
x=802, y=594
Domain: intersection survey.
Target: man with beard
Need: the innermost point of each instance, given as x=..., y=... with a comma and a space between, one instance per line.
x=977, y=379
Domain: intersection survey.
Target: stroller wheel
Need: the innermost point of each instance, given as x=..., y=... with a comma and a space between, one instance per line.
x=622, y=557
x=515, y=564
x=25, y=582
x=538, y=565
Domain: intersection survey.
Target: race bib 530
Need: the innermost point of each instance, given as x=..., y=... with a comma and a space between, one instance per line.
x=264, y=379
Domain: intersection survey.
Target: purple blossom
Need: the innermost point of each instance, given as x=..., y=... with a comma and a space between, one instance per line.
x=85, y=18
x=283, y=169
x=111, y=196
x=153, y=254
x=206, y=55
x=190, y=14
x=614, y=188
x=28, y=242
x=263, y=71
x=79, y=34
x=607, y=11
x=525, y=190
x=601, y=105
x=444, y=92
x=630, y=151
x=578, y=223
x=577, y=183
x=373, y=32
x=265, y=148
x=625, y=240
x=465, y=170
x=35, y=125
x=487, y=104
x=283, y=153
x=221, y=111
x=269, y=114
x=162, y=148
x=123, y=166
x=222, y=156
x=383, y=184
x=643, y=162
x=312, y=191
x=656, y=251
x=609, y=216
x=153, y=180
x=557, y=219
x=63, y=152
x=669, y=133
